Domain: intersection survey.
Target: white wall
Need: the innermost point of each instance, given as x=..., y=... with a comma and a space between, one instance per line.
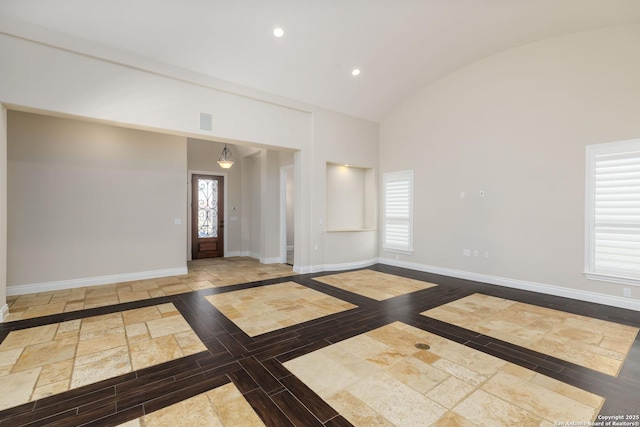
x=346, y=192
x=344, y=140
x=3, y=212
x=202, y=156
x=515, y=125
x=87, y=200
x=138, y=93
x=251, y=206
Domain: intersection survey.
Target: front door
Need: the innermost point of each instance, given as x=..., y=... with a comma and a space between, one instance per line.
x=207, y=216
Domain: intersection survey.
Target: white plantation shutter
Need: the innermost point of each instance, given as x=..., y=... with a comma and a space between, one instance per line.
x=398, y=211
x=614, y=207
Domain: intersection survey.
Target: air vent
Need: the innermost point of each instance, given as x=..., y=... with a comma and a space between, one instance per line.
x=206, y=122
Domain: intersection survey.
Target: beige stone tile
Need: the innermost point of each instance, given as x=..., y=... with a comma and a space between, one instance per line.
x=14, y=316
x=100, y=323
x=569, y=391
x=536, y=399
x=10, y=357
x=240, y=270
x=485, y=410
x=167, y=326
x=56, y=373
x=26, y=301
x=260, y=310
x=374, y=284
x=145, y=285
x=21, y=385
x=451, y=419
x=69, y=328
x=27, y=337
x=355, y=411
x=139, y=315
x=196, y=411
x=137, y=332
x=156, y=293
x=133, y=296
x=76, y=306
x=450, y=391
x=154, y=352
x=417, y=375
x=395, y=401
x=50, y=389
x=335, y=377
x=232, y=408
x=593, y=343
x=44, y=310
x=99, y=341
x=167, y=309
x=38, y=355
x=99, y=366
x=203, y=284
x=459, y=371
x=189, y=343
x=132, y=423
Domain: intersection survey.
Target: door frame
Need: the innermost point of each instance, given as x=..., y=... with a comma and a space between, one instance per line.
x=189, y=215
x=284, y=171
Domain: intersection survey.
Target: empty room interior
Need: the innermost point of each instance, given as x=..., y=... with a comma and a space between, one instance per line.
x=320, y=213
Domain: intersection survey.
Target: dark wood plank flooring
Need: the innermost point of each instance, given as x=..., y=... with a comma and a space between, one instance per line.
x=254, y=365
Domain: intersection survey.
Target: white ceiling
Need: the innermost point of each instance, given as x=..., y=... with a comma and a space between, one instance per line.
x=400, y=45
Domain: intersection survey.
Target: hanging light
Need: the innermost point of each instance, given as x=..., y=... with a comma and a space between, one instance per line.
x=225, y=161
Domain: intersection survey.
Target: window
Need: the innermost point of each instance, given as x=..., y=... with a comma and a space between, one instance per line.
x=613, y=212
x=398, y=211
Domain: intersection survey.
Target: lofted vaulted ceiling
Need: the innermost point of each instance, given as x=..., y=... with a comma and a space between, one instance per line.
x=399, y=45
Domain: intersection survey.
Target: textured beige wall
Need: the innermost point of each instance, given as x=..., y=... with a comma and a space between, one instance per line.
x=3, y=208
x=515, y=126
x=202, y=156
x=88, y=200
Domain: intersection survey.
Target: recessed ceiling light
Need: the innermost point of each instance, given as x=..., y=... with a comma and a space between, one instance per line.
x=355, y=72
x=278, y=32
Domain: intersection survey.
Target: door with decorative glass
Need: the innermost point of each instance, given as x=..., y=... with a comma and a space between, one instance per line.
x=207, y=216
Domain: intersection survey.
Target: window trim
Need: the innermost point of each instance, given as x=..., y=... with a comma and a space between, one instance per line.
x=408, y=174
x=591, y=151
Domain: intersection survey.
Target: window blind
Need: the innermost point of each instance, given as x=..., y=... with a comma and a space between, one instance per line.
x=398, y=211
x=616, y=210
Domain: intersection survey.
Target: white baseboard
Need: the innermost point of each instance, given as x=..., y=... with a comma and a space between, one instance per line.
x=335, y=267
x=520, y=284
x=93, y=281
x=232, y=254
x=4, y=312
x=272, y=260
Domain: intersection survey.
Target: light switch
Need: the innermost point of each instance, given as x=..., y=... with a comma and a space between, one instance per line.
x=177, y=221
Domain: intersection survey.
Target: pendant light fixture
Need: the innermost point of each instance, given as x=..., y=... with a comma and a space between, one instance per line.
x=225, y=161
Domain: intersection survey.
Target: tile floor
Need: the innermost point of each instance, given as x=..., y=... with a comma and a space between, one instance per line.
x=153, y=362
x=592, y=343
x=380, y=378
x=269, y=308
x=203, y=274
x=222, y=406
x=374, y=284
x=45, y=360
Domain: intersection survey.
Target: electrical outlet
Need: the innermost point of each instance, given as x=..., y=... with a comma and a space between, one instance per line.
x=626, y=292
x=475, y=253
x=466, y=252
